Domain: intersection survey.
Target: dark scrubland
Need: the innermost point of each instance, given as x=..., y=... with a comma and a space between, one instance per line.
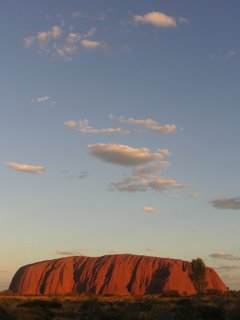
x=168, y=306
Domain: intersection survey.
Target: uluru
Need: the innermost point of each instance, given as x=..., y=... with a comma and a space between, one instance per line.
x=120, y=274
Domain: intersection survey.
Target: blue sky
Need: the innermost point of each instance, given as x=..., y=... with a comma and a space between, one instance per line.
x=119, y=131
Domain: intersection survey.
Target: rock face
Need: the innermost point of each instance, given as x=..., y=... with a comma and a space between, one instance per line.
x=123, y=274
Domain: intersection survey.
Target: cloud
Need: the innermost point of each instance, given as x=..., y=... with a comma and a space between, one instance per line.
x=226, y=268
x=151, y=168
x=149, y=124
x=195, y=194
x=73, y=37
x=70, y=252
x=149, y=209
x=230, y=54
x=157, y=183
x=90, y=44
x=224, y=256
x=76, y=14
x=83, y=175
x=156, y=18
x=44, y=99
x=123, y=154
x=26, y=168
x=43, y=37
x=226, y=203
x=183, y=20
x=83, y=127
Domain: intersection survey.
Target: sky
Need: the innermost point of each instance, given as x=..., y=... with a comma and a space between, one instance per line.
x=120, y=131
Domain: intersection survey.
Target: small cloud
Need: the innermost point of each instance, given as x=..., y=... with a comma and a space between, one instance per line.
x=90, y=44
x=148, y=123
x=43, y=37
x=156, y=18
x=90, y=33
x=195, y=194
x=76, y=14
x=70, y=252
x=73, y=37
x=26, y=168
x=230, y=54
x=83, y=175
x=224, y=256
x=122, y=154
x=83, y=127
x=149, y=250
x=40, y=99
x=44, y=99
x=149, y=209
x=226, y=203
x=183, y=20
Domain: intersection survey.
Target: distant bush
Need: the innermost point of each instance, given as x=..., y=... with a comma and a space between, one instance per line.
x=42, y=303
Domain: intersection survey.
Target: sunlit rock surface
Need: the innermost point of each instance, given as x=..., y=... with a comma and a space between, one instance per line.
x=122, y=274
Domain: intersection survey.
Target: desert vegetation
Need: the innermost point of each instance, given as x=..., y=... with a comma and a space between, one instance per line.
x=211, y=305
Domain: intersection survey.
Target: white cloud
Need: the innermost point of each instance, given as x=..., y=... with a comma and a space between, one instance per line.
x=226, y=203
x=149, y=209
x=26, y=167
x=157, y=19
x=90, y=44
x=44, y=99
x=73, y=37
x=123, y=154
x=149, y=124
x=83, y=127
x=41, y=99
x=224, y=256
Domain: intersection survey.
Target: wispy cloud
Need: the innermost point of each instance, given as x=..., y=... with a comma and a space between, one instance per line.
x=157, y=183
x=91, y=44
x=224, y=256
x=84, y=127
x=226, y=268
x=44, y=99
x=149, y=209
x=57, y=42
x=226, y=203
x=123, y=154
x=230, y=54
x=43, y=37
x=147, y=123
x=156, y=18
x=195, y=194
x=76, y=14
x=70, y=252
x=26, y=167
x=83, y=175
